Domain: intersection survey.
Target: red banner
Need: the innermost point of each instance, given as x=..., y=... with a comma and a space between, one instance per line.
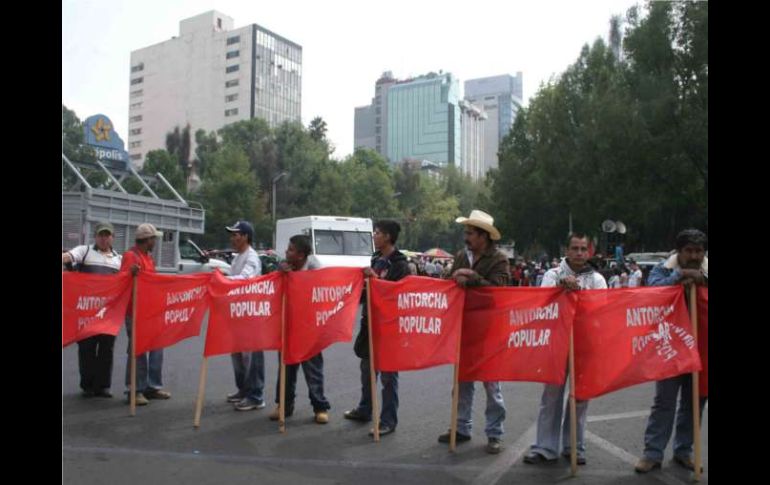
x=629, y=336
x=703, y=339
x=245, y=315
x=516, y=334
x=416, y=322
x=321, y=309
x=169, y=309
x=93, y=304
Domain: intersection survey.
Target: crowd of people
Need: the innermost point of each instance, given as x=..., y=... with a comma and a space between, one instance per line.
x=480, y=263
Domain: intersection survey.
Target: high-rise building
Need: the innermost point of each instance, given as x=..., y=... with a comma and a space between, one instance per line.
x=472, y=121
x=211, y=75
x=501, y=98
x=424, y=120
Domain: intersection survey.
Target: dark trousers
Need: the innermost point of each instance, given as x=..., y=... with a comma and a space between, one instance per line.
x=95, y=358
x=389, y=413
x=313, y=369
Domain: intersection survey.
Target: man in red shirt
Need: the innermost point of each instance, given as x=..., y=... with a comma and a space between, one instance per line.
x=149, y=365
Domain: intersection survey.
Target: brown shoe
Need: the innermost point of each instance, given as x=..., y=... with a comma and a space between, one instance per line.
x=645, y=465
x=140, y=399
x=321, y=417
x=686, y=462
x=157, y=394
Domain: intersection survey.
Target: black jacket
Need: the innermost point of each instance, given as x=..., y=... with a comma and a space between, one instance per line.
x=398, y=268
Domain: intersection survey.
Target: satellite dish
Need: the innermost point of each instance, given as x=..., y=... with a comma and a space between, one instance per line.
x=609, y=226
x=621, y=227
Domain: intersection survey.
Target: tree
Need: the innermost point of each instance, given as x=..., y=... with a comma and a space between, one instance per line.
x=160, y=161
x=178, y=144
x=229, y=193
x=618, y=137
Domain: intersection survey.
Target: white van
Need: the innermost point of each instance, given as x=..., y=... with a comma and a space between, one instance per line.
x=337, y=241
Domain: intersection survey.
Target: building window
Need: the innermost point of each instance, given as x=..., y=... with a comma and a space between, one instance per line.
x=219, y=23
x=136, y=131
x=231, y=97
x=137, y=93
x=137, y=80
x=231, y=112
x=136, y=118
x=232, y=68
x=136, y=105
x=135, y=144
x=233, y=40
x=137, y=156
x=231, y=83
x=232, y=54
x=138, y=67
x=487, y=98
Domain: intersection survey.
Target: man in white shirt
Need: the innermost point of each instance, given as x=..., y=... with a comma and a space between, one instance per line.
x=249, y=367
x=95, y=353
x=572, y=274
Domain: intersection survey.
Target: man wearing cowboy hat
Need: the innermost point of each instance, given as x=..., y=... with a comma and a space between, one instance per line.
x=480, y=264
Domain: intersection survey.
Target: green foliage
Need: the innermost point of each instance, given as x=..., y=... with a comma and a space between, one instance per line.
x=623, y=139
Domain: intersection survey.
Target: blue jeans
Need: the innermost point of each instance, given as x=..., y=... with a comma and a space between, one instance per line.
x=494, y=414
x=249, y=368
x=389, y=414
x=313, y=369
x=149, y=367
x=661, y=421
x=549, y=423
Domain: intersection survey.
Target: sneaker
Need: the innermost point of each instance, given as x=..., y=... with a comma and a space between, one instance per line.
x=247, y=404
x=157, y=394
x=535, y=458
x=322, y=417
x=494, y=446
x=357, y=415
x=444, y=438
x=234, y=397
x=140, y=399
x=276, y=414
x=384, y=429
x=645, y=465
x=581, y=460
x=686, y=462
x=103, y=393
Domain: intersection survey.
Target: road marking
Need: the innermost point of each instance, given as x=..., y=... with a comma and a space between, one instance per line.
x=627, y=457
x=610, y=417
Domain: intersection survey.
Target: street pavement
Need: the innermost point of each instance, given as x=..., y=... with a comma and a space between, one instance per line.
x=101, y=443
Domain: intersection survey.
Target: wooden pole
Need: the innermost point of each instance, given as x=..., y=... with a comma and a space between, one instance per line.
x=372, y=375
x=282, y=378
x=455, y=396
x=695, y=384
x=572, y=405
x=201, y=392
x=132, y=392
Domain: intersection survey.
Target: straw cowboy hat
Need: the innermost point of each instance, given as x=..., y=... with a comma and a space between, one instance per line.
x=481, y=220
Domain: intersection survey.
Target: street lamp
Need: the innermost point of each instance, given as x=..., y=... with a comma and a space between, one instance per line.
x=274, y=182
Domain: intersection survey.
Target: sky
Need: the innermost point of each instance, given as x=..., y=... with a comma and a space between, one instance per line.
x=346, y=45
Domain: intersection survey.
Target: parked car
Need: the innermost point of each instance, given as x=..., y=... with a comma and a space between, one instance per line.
x=193, y=259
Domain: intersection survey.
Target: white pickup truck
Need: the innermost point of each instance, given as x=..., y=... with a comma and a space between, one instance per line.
x=336, y=240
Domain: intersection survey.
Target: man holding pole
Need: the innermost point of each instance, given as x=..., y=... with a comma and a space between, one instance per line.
x=149, y=366
x=390, y=264
x=249, y=367
x=299, y=258
x=687, y=266
x=481, y=264
x=572, y=274
x=95, y=353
